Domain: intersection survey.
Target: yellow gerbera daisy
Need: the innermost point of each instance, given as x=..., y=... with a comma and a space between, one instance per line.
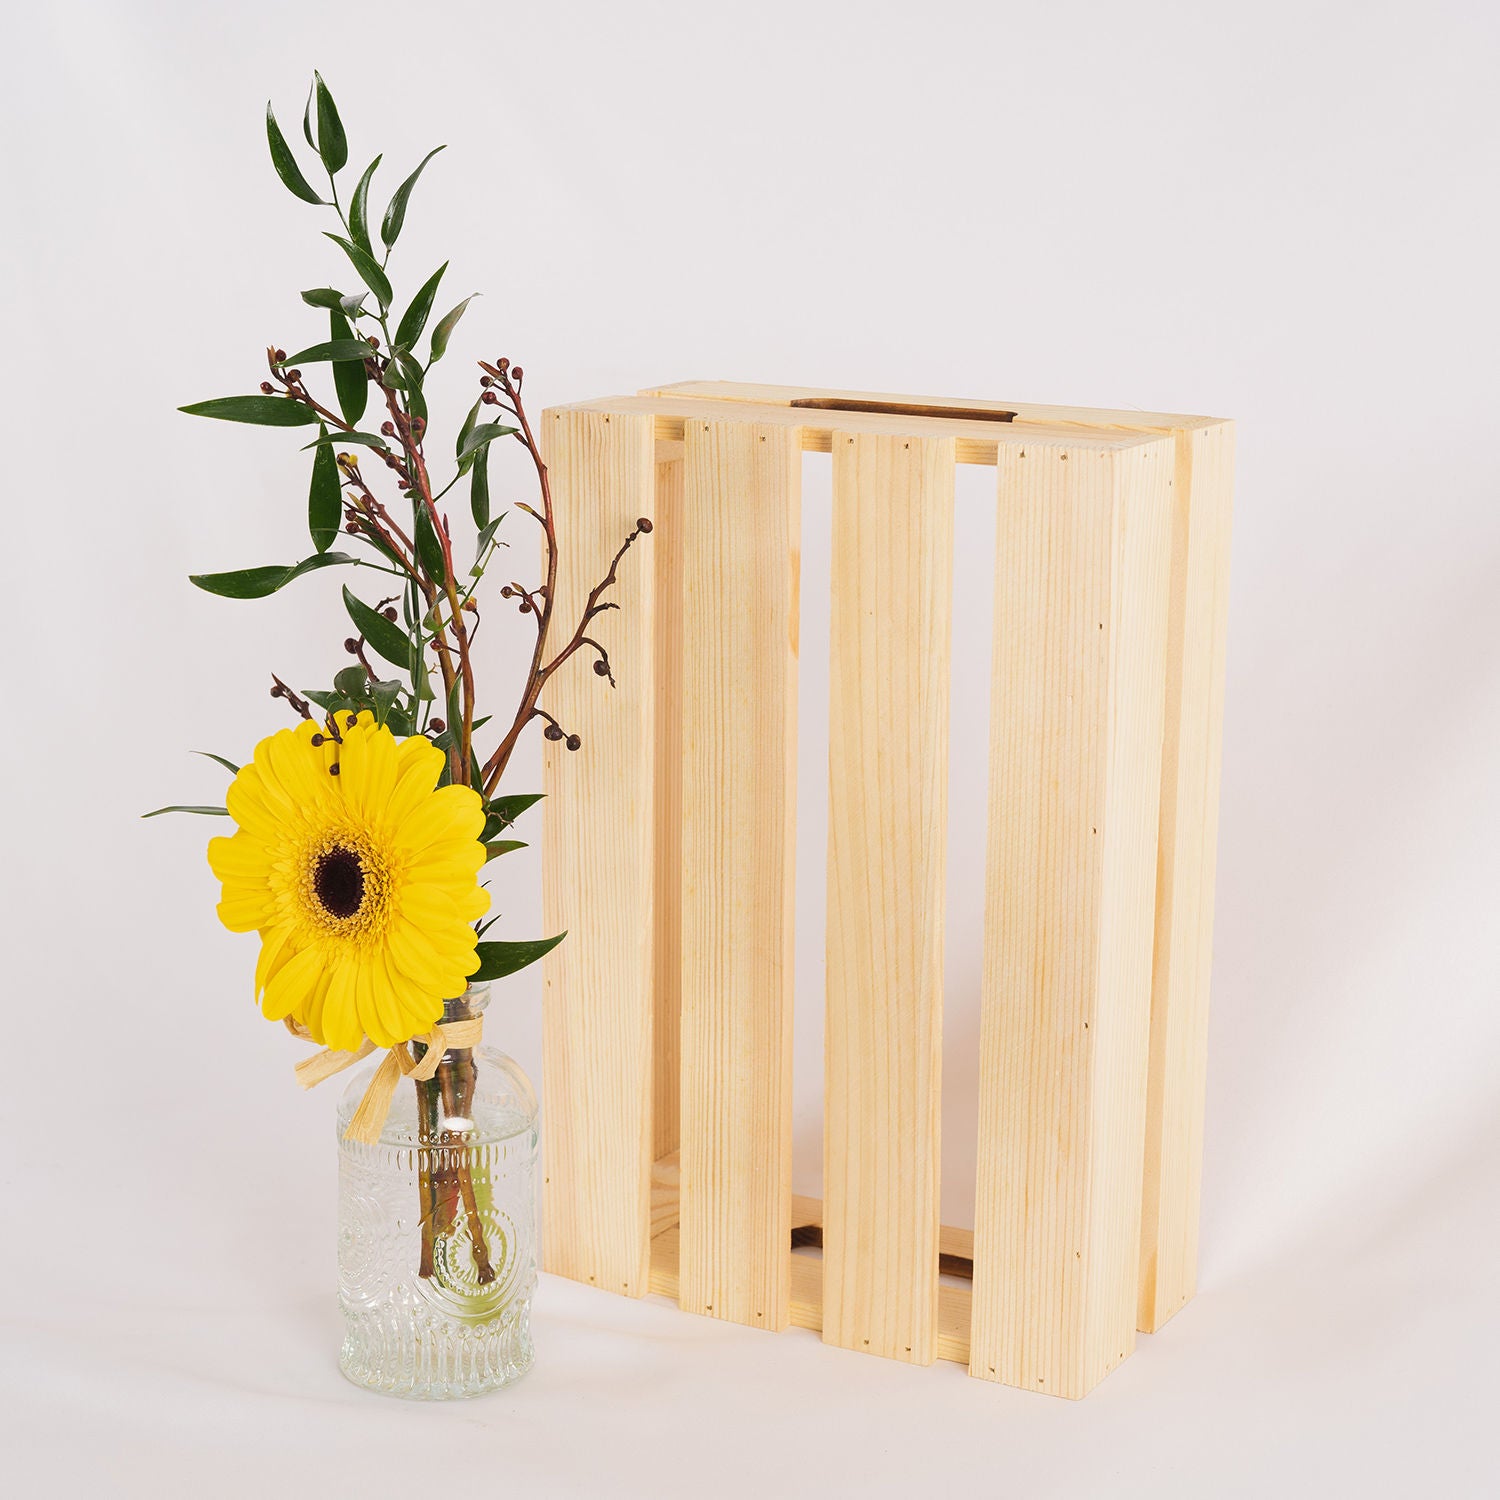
x=361, y=879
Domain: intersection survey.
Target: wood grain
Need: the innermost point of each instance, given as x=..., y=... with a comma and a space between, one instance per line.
x=1191, y=755
x=1024, y=413
x=1082, y=557
x=666, y=541
x=599, y=831
x=1188, y=831
x=891, y=627
x=976, y=441
x=805, y=1268
x=741, y=529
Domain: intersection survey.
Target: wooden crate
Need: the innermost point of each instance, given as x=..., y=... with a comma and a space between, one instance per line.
x=670, y=853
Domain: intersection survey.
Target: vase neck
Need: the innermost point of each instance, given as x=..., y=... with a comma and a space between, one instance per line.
x=467, y=1006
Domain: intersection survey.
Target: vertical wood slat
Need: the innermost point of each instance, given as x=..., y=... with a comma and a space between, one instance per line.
x=1082, y=562
x=887, y=826
x=599, y=829
x=1185, y=884
x=666, y=542
x=741, y=530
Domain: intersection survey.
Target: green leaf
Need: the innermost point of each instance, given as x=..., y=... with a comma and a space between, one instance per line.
x=359, y=222
x=387, y=638
x=414, y=319
x=331, y=702
x=496, y=960
x=349, y=377
x=479, y=498
x=259, y=583
x=333, y=147
x=322, y=296
x=262, y=411
x=429, y=547
x=412, y=374
x=395, y=214
x=285, y=163
x=228, y=765
x=502, y=846
x=216, y=812
x=384, y=695
x=485, y=432
x=350, y=348
x=324, y=499
x=464, y=430
x=307, y=117
x=503, y=811
x=351, y=683
x=367, y=266
x=444, y=330
x=338, y=439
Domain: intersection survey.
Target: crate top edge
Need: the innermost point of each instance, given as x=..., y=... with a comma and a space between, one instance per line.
x=1025, y=412
x=977, y=440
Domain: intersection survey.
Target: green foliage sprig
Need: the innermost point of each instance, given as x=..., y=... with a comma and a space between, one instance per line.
x=413, y=662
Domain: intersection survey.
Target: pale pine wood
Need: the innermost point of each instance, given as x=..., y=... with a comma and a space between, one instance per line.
x=1027, y=413
x=975, y=442
x=741, y=529
x=1188, y=831
x=887, y=822
x=805, y=1269
x=1191, y=756
x=599, y=830
x=1082, y=558
x=666, y=543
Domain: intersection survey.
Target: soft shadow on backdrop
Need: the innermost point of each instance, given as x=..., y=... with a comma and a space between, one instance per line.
x=1280, y=213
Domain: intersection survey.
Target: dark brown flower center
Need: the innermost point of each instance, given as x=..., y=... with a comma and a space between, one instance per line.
x=339, y=881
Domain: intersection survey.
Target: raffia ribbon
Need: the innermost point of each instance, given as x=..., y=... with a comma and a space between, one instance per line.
x=398, y=1062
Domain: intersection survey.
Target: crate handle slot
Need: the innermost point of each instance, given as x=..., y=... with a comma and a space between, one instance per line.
x=904, y=409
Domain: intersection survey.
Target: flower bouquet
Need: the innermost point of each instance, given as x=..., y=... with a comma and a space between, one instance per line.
x=363, y=830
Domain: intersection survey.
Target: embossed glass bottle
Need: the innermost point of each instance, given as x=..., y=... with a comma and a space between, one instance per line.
x=437, y=1227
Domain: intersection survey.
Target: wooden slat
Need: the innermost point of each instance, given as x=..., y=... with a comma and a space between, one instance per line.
x=740, y=552
x=1185, y=865
x=1188, y=833
x=975, y=442
x=1026, y=413
x=599, y=829
x=666, y=542
x=805, y=1270
x=887, y=825
x=1082, y=559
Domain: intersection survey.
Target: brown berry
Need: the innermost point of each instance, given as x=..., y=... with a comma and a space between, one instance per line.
x=644, y=525
x=333, y=770
x=390, y=614
x=351, y=645
x=318, y=739
x=574, y=742
x=552, y=732
x=351, y=721
x=601, y=669
x=438, y=726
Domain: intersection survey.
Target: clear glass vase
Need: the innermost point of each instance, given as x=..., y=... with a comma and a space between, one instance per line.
x=437, y=1227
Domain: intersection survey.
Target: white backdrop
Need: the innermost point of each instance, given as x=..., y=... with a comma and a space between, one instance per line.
x=1283, y=213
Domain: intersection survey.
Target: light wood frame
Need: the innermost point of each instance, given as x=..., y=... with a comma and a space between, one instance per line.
x=670, y=850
